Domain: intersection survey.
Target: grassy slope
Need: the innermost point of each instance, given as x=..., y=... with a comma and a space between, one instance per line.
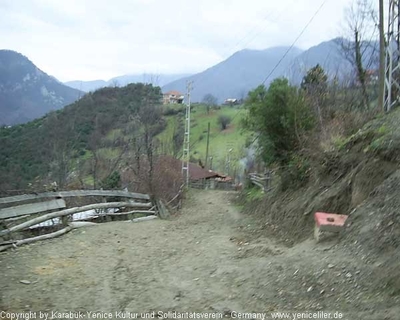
x=220, y=141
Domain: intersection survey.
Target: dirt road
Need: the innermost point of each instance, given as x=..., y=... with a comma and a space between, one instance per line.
x=210, y=258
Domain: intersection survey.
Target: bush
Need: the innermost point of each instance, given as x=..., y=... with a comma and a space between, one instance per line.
x=281, y=118
x=224, y=121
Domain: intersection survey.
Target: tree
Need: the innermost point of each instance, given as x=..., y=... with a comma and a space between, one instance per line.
x=224, y=121
x=315, y=85
x=210, y=101
x=280, y=116
x=361, y=51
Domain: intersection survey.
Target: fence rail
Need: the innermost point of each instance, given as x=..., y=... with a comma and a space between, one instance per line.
x=23, y=212
x=261, y=180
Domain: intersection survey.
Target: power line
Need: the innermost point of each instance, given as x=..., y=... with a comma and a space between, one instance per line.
x=236, y=46
x=285, y=54
x=294, y=42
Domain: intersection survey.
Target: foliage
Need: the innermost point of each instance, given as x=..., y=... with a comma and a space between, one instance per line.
x=280, y=116
x=296, y=173
x=49, y=146
x=224, y=121
x=254, y=193
x=315, y=80
x=113, y=181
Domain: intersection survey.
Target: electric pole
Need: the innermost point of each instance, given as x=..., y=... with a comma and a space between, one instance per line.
x=392, y=65
x=381, y=58
x=208, y=143
x=186, y=137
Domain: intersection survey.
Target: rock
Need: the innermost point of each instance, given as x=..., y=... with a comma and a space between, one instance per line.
x=309, y=289
x=296, y=272
x=330, y=266
x=25, y=281
x=322, y=291
x=348, y=275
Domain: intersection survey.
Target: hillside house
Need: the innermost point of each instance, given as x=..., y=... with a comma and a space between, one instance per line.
x=173, y=97
x=200, y=178
x=231, y=102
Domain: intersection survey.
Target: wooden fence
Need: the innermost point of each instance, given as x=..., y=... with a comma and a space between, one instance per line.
x=261, y=180
x=23, y=214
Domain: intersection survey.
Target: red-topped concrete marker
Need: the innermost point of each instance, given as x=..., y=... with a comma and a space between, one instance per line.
x=330, y=222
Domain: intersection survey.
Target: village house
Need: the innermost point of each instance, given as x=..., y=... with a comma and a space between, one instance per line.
x=173, y=97
x=200, y=177
x=231, y=102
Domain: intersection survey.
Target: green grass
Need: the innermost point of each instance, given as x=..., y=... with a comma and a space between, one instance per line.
x=220, y=141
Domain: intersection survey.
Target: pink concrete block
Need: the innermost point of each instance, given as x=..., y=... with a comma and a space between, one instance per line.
x=330, y=219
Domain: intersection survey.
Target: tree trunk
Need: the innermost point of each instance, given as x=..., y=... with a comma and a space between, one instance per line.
x=361, y=73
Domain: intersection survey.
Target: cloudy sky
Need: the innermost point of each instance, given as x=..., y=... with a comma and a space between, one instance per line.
x=100, y=39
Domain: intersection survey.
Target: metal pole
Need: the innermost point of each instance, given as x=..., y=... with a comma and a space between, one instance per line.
x=381, y=101
x=186, y=140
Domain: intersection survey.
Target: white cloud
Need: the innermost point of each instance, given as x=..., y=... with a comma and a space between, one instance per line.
x=91, y=39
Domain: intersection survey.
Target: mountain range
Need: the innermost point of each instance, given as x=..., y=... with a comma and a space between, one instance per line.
x=154, y=79
x=246, y=69
x=26, y=92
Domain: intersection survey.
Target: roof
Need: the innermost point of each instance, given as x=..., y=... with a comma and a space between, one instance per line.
x=173, y=92
x=195, y=171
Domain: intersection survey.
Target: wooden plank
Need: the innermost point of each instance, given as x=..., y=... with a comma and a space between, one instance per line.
x=75, y=193
x=150, y=212
x=31, y=208
x=69, y=211
x=71, y=226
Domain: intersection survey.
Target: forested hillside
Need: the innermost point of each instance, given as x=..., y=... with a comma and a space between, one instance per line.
x=55, y=147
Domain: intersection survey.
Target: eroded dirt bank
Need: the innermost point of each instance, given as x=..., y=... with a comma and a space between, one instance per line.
x=210, y=258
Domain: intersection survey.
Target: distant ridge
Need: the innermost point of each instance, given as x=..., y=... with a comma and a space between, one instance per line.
x=157, y=80
x=26, y=92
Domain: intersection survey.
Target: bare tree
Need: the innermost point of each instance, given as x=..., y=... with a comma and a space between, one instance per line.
x=361, y=50
x=210, y=101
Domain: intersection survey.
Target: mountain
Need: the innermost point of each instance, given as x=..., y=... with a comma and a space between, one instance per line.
x=26, y=92
x=246, y=69
x=86, y=86
x=158, y=80
x=330, y=56
x=238, y=74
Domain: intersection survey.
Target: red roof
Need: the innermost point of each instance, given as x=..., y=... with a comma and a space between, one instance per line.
x=195, y=171
x=174, y=93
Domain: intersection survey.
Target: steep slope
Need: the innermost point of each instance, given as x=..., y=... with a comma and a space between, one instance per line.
x=50, y=146
x=26, y=92
x=157, y=80
x=238, y=74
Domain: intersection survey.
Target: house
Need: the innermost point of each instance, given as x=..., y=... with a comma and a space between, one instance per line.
x=231, y=102
x=173, y=97
x=199, y=177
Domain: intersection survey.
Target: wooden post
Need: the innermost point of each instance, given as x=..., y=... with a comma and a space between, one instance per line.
x=208, y=143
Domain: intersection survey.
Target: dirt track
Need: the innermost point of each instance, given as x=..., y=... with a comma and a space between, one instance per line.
x=210, y=258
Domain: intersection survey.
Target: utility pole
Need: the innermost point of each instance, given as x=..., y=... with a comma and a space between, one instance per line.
x=186, y=137
x=381, y=58
x=208, y=143
x=392, y=65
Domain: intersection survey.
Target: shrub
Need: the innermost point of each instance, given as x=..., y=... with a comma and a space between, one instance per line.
x=224, y=121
